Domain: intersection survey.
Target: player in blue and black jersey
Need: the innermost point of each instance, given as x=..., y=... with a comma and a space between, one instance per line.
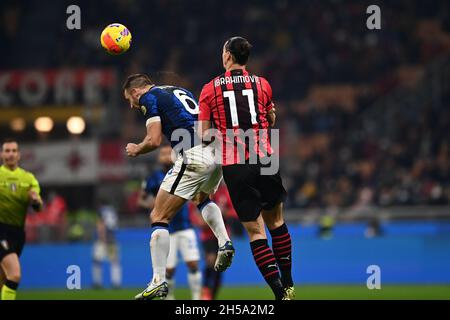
x=172, y=111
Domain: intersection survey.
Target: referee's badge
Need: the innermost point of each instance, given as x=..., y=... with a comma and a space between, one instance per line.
x=4, y=244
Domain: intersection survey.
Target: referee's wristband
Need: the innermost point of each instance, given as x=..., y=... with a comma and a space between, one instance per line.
x=36, y=206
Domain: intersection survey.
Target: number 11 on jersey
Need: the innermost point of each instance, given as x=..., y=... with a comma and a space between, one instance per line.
x=230, y=95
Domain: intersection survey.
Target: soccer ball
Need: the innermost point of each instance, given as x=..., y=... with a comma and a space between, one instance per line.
x=116, y=38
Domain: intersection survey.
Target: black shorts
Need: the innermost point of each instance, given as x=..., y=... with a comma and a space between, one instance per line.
x=250, y=191
x=12, y=240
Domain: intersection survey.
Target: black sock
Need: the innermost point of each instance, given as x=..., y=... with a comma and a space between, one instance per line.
x=12, y=284
x=267, y=265
x=282, y=250
x=207, y=277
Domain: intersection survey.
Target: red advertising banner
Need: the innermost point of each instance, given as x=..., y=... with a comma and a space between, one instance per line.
x=56, y=87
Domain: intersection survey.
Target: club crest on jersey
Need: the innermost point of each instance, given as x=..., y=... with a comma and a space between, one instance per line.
x=4, y=244
x=144, y=110
x=13, y=187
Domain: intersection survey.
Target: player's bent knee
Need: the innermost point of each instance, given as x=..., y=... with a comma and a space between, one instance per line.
x=14, y=276
x=200, y=198
x=274, y=223
x=192, y=266
x=273, y=218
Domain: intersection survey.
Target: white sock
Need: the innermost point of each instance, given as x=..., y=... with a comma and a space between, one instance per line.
x=171, y=285
x=159, y=248
x=97, y=273
x=195, y=283
x=213, y=217
x=116, y=274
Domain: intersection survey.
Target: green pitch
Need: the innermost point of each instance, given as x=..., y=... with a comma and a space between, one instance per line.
x=258, y=293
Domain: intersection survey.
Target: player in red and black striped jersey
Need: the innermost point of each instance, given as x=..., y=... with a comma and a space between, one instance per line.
x=240, y=106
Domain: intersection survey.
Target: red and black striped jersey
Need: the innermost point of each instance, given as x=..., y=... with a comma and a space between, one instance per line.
x=238, y=101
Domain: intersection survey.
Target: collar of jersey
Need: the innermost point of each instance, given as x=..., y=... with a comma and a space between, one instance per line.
x=3, y=167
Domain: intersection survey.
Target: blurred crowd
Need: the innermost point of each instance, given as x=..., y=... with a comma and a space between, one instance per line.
x=326, y=69
x=336, y=164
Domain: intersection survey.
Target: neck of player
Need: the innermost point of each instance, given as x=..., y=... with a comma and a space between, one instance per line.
x=145, y=90
x=235, y=66
x=11, y=167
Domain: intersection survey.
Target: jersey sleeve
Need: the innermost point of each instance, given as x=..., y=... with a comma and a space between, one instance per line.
x=204, y=103
x=267, y=89
x=149, y=108
x=35, y=184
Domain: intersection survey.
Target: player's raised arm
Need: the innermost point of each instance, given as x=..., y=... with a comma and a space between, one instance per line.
x=136, y=90
x=151, y=141
x=268, y=103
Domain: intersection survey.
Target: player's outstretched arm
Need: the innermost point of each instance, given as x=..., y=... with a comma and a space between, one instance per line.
x=151, y=141
x=35, y=199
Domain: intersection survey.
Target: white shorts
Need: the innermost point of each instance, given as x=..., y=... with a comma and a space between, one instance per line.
x=105, y=251
x=184, y=241
x=192, y=173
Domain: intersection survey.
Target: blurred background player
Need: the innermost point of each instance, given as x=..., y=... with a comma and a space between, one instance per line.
x=106, y=247
x=182, y=234
x=244, y=101
x=212, y=280
x=18, y=190
x=171, y=110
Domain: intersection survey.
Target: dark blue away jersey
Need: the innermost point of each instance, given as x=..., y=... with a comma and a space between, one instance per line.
x=175, y=107
x=181, y=219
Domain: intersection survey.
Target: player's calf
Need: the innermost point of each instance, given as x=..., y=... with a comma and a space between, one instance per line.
x=263, y=256
x=166, y=206
x=267, y=265
x=11, y=267
x=281, y=242
x=282, y=249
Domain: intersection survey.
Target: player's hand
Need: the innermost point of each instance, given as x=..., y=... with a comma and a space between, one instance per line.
x=34, y=197
x=132, y=149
